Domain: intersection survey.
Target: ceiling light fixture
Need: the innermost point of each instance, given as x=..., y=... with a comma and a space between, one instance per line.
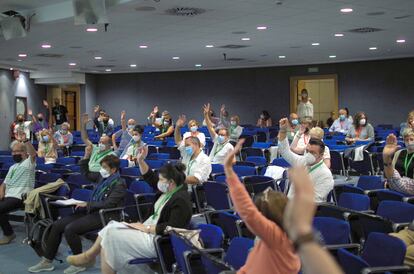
x=198, y=65
x=282, y=56
x=209, y=46
x=11, y=68
x=262, y=28
x=339, y=34
x=315, y=44
x=373, y=48
x=245, y=39
x=108, y=70
x=46, y=46
x=400, y=41
x=133, y=65
x=98, y=58
x=19, y=60
x=332, y=56
x=22, y=55
x=346, y=10
x=143, y=46
x=176, y=58
x=91, y=29
x=72, y=64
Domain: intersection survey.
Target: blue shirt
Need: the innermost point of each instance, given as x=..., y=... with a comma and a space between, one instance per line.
x=125, y=140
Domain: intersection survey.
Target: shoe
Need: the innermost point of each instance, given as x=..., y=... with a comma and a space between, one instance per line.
x=81, y=260
x=43, y=265
x=7, y=239
x=74, y=269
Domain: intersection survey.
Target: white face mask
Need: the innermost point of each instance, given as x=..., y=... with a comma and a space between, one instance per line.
x=362, y=122
x=410, y=146
x=104, y=173
x=233, y=123
x=309, y=158
x=194, y=128
x=163, y=186
x=136, y=138
x=102, y=147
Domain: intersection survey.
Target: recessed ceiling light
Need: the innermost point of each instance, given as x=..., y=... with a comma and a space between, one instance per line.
x=19, y=60
x=339, y=34
x=176, y=58
x=209, y=46
x=245, y=39
x=143, y=46
x=91, y=29
x=98, y=58
x=400, y=41
x=22, y=55
x=11, y=68
x=332, y=56
x=261, y=27
x=198, y=65
x=346, y=10
x=133, y=65
x=108, y=70
x=72, y=64
x=46, y=46
x=373, y=48
x=315, y=44
x=282, y=56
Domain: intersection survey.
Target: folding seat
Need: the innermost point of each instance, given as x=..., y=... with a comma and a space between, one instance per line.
x=354, y=201
x=173, y=151
x=244, y=170
x=256, y=184
x=139, y=187
x=280, y=162
x=158, y=156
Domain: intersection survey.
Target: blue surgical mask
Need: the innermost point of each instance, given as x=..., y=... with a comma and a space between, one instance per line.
x=189, y=150
x=342, y=117
x=295, y=122
x=221, y=139
x=45, y=138
x=410, y=147
x=131, y=127
x=194, y=128
x=102, y=147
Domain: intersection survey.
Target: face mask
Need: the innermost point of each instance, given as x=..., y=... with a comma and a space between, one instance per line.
x=131, y=127
x=45, y=138
x=221, y=139
x=17, y=158
x=189, y=150
x=166, y=123
x=362, y=122
x=64, y=131
x=233, y=123
x=136, y=138
x=262, y=117
x=295, y=122
x=104, y=173
x=304, y=95
x=105, y=121
x=410, y=147
x=40, y=119
x=102, y=147
x=163, y=187
x=342, y=117
x=21, y=120
x=194, y=128
x=309, y=158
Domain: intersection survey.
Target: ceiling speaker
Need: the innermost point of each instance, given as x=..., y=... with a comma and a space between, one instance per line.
x=12, y=27
x=90, y=12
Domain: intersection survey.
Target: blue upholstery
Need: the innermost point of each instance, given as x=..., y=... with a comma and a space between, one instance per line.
x=397, y=212
x=66, y=161
x=389, y=195
x=217, y=168
x=130, y=171
x=217, y=195
x=351, y=263
x=82, y=194
x=280, y=162
x=45, y=178
x=211, y=235
x=354, y=201
x=258, y=183
x=139, y=187
x=370, y=182
x=244, y=170
x=159, y=156
x=155, y=164
x=258, y=160
x=227, y=221
x=238, y=251
x=334, y=231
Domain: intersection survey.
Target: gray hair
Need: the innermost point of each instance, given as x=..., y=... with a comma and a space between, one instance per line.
x=408, y=132
x=194, y=140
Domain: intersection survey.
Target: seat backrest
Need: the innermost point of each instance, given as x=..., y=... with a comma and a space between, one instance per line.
x=389, y=195
x=354, y=201
x=49, y=177
x=180, y=246
x=258, y=183
x=227, y=222
x=155, y=164
x=383, y=250
x=280, y=162
x=238, y=251
x=139, y=187
x=81, y=194
x=211, y=235
x=66, y=161
x=77, y=179
x=258, y=160
x=159, y=156
x=351, y=263
x=397, y=212
x=217, y=168
x=244, y=170
x=370, y=182
x=217, y=195
x=130, y=171
x=334, y=231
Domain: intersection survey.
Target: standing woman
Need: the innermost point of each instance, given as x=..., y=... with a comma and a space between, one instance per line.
x=361, y=130
x=47, y=147
x=273, y=252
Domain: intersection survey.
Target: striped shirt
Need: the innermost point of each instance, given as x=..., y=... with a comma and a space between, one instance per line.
x=96, y=158
x=20, y=178
x=401, y=183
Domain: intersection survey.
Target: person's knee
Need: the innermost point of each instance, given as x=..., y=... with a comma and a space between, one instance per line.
x=70, y=229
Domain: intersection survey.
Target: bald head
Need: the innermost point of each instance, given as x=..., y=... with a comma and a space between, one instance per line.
x=20, y=149
x=131, y=122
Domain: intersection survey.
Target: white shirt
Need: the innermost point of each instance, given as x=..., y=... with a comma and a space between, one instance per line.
x=305, y=109
x=341, y=126
x=25, y=126
x=320, y=176
x=200, y=137
x=20, y=178
x=200, y=167
x=132, y=150
x=219, y=152
x=303, y=140
x=327, y=153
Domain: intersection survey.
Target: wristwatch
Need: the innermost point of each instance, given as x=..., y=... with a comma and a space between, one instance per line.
x=303, y=239
x=148, y=228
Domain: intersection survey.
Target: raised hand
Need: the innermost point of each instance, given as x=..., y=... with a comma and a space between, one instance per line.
x=29, y=112
x=85, y=119
x=391, y=145
x=96, y=108
x=229, y=160
x=181, y=120
x=223, y=109
x=206, y=109
x=45, y=104
x=123, y=115
x=142, y=153
x=302, y=129
x=284, y=123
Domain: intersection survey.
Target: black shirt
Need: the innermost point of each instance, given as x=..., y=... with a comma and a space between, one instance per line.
x=399, y=165
x=59, y=112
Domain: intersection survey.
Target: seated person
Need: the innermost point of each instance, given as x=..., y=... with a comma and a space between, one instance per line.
x=342, y=124
x=42, y=121
x=109, y=192
x=399, y=164
x=20, y=179
x=221, y=140
x=165, y=126
x=235, y=129
x=125, y=133
x=273, y=252
x=407, y=236
x=361, y=130
x=47, y=147
x=302, y=137
x=318, y=133
x=154, y=115
x=119, y=243
x=134, y=146
x=331, y=119
x=264, y=119
x=408, y=124
x=193, y=126
x=293, y=126
x=313, y=159
x=197, y=163
x=22, y=125
x=349, y=116
x=64, y=138
x=98, y=151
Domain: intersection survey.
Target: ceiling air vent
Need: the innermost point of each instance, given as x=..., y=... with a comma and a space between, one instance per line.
x=42, y=65
x=185, y=11
x=145, y=8
x=402, y=17
x=104, y=66
x=365, y=30
x=375, y=13
x=231, y=46
x=234, y=59
x=239, y=32
x=50, y=55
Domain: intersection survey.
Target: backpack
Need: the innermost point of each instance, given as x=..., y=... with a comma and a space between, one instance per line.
x=38, y=234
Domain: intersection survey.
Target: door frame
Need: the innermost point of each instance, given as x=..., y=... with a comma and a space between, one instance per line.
x=294, y=86
x=76, y=90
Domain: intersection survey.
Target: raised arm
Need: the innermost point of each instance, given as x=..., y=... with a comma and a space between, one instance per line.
x=123, y=120
x=32, y=118
x=210, y=127
x=294, y=146
x=21, y=137
x=224, y=120
x=390, y=148
x=153, y=115
x=284, y=149
x=84, y=133
x=142, y=154
x=177, y=132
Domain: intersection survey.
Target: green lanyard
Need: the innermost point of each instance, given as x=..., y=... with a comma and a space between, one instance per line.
x=407, y=164
x=217, y=150
x=46, y=148
x=165, y=200
x=134, y=149
x=14, y=171
x=190, y=164
x=97, y=158
x=316, y=166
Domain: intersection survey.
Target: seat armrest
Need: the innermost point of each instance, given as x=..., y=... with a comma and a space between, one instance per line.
x=409, y=200
x=384, y=269
x=349, y=247
x=399, y=226
x=104, y=212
